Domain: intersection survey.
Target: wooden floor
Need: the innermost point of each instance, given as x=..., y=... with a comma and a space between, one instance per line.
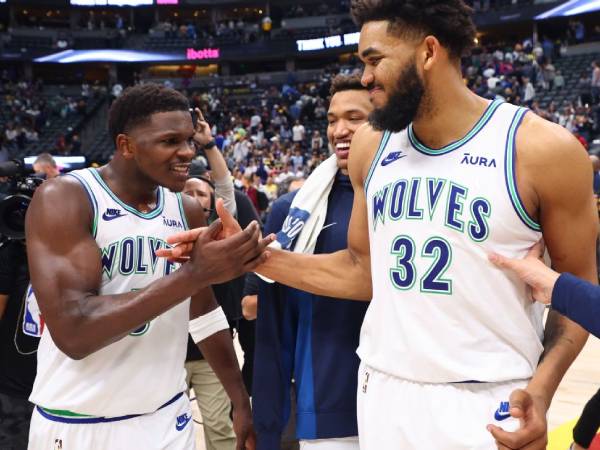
x=579, y=384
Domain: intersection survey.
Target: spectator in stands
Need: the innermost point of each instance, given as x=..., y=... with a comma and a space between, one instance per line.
x=559, y=81
x=45, y=165
x=595, y=83
x=298, y=132
x=316, y=142
x=528, y=91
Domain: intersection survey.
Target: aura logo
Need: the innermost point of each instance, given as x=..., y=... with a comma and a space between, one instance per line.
x=477, y=161
x=172, y=223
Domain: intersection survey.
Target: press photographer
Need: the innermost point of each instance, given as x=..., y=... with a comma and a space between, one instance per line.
x=20, y=321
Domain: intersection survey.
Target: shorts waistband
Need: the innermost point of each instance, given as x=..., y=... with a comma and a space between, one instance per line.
x=71, y=417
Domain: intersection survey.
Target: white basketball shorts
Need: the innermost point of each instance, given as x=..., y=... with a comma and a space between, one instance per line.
x=347, y=443
x=169, y=428
x=396, y=414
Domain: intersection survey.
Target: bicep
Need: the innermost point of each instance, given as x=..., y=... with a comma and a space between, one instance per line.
x=3, y=303
x=358, y=228
x=64, y=260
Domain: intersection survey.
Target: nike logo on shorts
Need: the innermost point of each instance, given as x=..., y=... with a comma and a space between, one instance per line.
x=182, y=421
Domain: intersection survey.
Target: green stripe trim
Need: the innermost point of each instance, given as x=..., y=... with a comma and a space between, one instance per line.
x=382, y=145
x=481, y=123
x=64, y=413
x=93, y=200
x=510, y=172
x=182, y=211
x=150, y=215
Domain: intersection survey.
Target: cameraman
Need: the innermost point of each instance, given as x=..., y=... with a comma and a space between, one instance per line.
x=20, y=329
x=46, y=166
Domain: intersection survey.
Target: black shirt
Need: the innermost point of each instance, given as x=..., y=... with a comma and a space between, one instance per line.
x=18, y=359
x=229, y=295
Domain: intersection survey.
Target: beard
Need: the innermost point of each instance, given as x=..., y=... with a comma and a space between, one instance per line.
x=403, y=103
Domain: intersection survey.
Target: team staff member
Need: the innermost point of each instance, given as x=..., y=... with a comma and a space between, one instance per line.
x=110, y=374
x=441, y=178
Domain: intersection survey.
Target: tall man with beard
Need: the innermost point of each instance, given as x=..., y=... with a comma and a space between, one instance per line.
x=453, y=351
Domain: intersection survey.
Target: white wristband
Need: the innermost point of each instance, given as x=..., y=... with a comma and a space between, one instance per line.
x=208, y=324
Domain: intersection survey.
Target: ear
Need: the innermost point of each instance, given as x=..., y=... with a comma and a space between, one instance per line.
x=431, y=52
x=125, y=146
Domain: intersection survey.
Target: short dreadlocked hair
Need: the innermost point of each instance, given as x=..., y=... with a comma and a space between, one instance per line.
x=136, y=104
x=342, y=83
x=448, y=20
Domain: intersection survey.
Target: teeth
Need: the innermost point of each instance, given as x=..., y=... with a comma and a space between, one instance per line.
x=343, y=146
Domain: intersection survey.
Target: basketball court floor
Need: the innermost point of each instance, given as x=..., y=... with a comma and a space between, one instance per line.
x=579, y=384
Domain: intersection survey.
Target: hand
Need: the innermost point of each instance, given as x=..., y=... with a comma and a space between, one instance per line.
x=203, y=135
x=249, y=307
x=243, y=429
x=217, y=261
x=532, y=433
x=532, y=271
x=183, y=242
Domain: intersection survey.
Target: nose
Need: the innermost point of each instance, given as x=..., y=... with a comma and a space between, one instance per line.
x=367, y=77
x=187, y=150
x=341, y=129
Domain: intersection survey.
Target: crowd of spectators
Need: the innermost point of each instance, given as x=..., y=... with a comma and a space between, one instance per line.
x=525, y=72
x=26, y=112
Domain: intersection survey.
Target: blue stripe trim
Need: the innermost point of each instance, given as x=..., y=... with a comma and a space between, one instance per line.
x=385, y=137
x=91, y=198
x=480, y=125
x=510, y=172
x=90, y=420
x=160, y=199
x=182, y=210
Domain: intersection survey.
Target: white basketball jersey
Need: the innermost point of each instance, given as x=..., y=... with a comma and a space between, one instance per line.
x=441, y=312
x=143, y=370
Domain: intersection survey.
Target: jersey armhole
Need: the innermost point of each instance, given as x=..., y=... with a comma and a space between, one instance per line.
x=91, y=198
x=182, y=211
x=382, y=145
x=510, y=172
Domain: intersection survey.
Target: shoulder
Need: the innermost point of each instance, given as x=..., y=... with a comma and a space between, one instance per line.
x=545, y=145
x=194, y=213
x=284, y=202
x=364, y=145
x=62, y=190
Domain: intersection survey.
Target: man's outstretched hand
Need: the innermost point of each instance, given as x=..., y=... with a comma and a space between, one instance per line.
x=183, y=243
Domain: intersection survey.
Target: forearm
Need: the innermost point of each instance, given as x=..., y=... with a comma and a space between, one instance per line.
x=218, y=350
x=99, y=320
x=579, y=301
x=337, y=275
x=222, y=179
x=563, y=340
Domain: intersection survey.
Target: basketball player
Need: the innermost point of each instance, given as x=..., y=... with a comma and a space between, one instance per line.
x=451, y=347
x=110, y=362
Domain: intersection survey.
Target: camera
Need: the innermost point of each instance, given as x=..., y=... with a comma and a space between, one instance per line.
x=14, y=207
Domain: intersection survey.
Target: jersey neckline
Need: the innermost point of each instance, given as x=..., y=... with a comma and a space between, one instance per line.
x=156, y=211
x=479, y=125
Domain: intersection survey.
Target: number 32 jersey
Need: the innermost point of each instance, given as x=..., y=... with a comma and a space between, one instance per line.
x=441, y=312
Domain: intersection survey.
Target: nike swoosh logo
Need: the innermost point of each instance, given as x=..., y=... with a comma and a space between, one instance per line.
x=394, y=156
x=108, y=217
x=501, y=415
x=329, y=226
x=180, y=425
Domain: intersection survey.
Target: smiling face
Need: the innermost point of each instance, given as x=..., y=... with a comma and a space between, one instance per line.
x=390, y=74
x=348, y=110
x=162, y=148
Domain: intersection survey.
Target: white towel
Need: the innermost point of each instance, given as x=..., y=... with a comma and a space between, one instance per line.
x=307, y=213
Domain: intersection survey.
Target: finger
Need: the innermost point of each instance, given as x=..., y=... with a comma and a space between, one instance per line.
x=185, y=236
x=255, y=263
x=233, y=243
x=537, y=251
x=502, y=261
x=228, y=220
x=520, y=401
x=214, y=229
x=200, y=115
x=504, y=439
x=249, y=249
x=181, y=260
x=182, y=250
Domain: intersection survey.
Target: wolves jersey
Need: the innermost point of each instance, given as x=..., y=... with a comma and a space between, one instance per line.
x=441, y=312
x=143, y=370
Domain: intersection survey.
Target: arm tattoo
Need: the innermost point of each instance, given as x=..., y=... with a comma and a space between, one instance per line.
x=553, y=332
